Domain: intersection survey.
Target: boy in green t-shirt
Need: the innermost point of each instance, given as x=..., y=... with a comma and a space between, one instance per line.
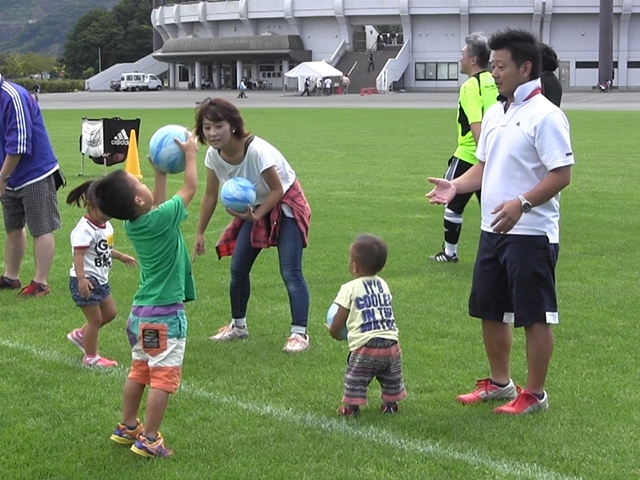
x=157, y=325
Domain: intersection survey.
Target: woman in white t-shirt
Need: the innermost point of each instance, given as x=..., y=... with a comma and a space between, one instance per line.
x=92, y=246
x=280, y=217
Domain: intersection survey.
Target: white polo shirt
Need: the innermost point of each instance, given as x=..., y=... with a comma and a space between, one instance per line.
x=519, y=148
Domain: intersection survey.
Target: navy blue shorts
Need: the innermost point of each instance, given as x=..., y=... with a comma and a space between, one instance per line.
x=514, y=279
x=96, y=296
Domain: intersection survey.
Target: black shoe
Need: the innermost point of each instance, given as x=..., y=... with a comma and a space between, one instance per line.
x=9, y=284
x=390, y=408
x=443, y=257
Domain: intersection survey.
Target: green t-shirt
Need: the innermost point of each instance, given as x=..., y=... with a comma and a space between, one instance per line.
x=165, y=268
x=477, y=94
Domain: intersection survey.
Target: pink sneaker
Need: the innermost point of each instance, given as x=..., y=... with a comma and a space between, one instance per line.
x=98, y=361
x=77, y=339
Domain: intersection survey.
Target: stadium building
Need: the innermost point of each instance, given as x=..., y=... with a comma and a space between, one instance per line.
x=219, y=43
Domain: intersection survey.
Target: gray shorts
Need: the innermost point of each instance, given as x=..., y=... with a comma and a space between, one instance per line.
x=35, y=205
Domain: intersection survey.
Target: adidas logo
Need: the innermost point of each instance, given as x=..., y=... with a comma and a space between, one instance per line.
x=121, y=138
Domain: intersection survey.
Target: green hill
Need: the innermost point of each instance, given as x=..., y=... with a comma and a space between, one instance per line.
x=41, y=26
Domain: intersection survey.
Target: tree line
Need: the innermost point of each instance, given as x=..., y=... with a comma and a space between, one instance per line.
x=98, y=40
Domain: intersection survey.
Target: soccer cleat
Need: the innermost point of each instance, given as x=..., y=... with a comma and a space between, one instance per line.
x=124, y=435
x=443, y=257
x=349, y=410
x=230, y=332
x=98, y=361
x=9, y=284
x=34, y=289
x=389, y=407
x=525, y=402
x=486, y=391
x=77, y=339
x=145, y=448
x=296, y=343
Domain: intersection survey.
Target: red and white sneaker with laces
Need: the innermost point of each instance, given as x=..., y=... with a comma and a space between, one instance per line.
x=525, y=402
x=230, y=332
x=485, y=391
x=296, y=343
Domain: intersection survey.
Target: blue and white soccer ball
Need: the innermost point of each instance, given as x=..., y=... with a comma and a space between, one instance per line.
x=164, y=152
x=333, y=309
x=236, y=193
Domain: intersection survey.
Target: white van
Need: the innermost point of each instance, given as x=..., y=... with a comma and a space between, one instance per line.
x=139, y=81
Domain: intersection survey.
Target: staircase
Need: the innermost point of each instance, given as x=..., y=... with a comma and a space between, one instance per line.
x=359, y=77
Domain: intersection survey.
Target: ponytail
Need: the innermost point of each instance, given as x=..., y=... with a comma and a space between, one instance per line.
x=79, y=196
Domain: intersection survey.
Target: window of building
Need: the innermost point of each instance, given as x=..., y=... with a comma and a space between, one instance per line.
x=428, y=71
x=183, y=74
x=592, y=64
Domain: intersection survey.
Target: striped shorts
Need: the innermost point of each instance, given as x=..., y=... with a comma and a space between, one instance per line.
x=380, y=358
x=158, y=337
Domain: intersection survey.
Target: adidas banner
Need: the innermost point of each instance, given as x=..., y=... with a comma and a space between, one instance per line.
x=116, y=134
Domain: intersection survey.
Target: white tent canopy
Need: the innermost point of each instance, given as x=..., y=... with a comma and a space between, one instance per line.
x=312, y=70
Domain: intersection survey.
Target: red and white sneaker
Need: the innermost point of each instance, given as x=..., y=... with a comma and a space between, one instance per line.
x=98, y=361
x=230, y=332
x=485, y=391
x=525, y=402
x=296, y=343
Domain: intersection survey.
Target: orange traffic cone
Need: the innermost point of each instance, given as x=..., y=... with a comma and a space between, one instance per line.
x=362, y=91
x=368, y=90
x=132, y=164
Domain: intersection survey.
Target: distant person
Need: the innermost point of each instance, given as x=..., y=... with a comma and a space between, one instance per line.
x=318, y=86
x=92, y=245
x=29, y=177
x=346, y=82
x=394, y=38
x=372, y=335
x=379, y=43
x=242, y=89
x=551, y=87
x=307, y=84
x=157, y=325
x=36, y=91
x=476, y=95
x=328, y=86
x=371, y=65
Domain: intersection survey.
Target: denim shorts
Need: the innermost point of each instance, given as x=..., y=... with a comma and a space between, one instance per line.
x=96, y=296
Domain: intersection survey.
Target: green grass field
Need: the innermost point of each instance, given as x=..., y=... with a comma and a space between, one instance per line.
x=247, y=410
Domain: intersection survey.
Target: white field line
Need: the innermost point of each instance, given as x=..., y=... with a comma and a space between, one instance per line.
x=368, y=433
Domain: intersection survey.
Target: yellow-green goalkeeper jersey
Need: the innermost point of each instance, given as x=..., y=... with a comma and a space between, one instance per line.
x=477, y=94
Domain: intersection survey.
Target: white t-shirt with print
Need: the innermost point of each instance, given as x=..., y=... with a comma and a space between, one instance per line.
x=368, y=300
x=97, y=241
x=519, y=148
x=260, y=156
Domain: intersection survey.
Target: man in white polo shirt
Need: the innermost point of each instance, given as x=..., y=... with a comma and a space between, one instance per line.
x=525, y=160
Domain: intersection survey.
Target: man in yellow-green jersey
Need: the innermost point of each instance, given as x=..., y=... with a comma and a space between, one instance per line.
x=477, y=94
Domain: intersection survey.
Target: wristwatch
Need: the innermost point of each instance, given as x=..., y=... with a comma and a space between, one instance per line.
x=5, y=177
x=524, y=204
